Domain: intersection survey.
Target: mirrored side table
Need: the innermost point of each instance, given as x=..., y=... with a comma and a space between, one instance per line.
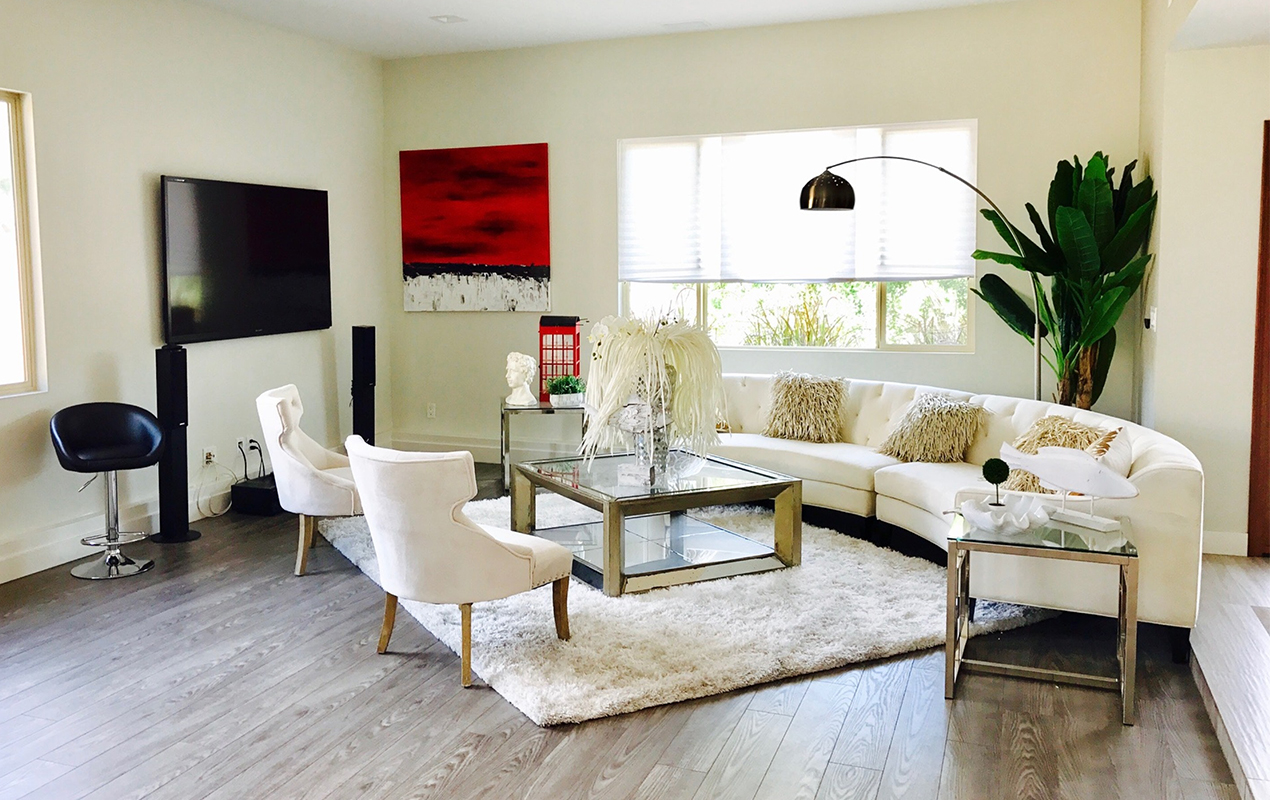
x=506, y=440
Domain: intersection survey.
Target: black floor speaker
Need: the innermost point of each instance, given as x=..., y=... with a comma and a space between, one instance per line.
x=174, y=467
x=364, y=382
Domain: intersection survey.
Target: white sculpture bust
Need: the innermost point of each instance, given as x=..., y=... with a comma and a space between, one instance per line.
x=520, y=373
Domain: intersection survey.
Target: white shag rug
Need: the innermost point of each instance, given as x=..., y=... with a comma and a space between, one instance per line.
x=849, y=601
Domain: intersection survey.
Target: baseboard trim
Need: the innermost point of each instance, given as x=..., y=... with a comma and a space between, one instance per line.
x=58, y=544
x=1226, y=543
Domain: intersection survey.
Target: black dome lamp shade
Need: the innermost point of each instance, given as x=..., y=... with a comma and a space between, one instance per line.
x=830, y=191
x=827, y=191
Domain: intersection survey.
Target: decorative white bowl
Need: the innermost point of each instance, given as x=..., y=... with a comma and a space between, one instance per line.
x=1017, y=513
x=567, y=400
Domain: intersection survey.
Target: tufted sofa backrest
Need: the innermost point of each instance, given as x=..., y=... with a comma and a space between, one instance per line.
x=873, y=408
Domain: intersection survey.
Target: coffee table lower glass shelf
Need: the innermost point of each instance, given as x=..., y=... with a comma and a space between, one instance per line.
x=649, y=537
x=657, y=544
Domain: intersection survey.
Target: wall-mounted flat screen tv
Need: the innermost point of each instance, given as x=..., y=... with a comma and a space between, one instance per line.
x=241, y=260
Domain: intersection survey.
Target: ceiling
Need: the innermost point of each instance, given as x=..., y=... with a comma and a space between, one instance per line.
x=405, y=28
x=1225, y=23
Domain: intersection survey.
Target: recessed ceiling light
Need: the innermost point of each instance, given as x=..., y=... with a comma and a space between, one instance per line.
x=693, y=25
x=446, y=19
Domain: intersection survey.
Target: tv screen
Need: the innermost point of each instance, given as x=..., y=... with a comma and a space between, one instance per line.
x=243, y=260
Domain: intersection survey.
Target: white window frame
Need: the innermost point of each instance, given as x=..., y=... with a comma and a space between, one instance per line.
x=18, y=107
x=881, y=345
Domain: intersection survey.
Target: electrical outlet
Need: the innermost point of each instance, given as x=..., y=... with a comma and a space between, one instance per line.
x=242, y=444
x=432, y=410
x=209, y=455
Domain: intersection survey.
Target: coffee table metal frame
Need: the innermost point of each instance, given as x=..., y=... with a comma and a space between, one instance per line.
x=787, y=493
x=955, y=662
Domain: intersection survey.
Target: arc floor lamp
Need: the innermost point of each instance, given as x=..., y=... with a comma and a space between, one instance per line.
x=828, y=191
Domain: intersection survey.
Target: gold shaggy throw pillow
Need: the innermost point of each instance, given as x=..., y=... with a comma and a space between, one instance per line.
x=1055, y=432
x=935, y=428
x=805, y=407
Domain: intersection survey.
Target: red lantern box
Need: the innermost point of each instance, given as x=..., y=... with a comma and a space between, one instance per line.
x=559, y=350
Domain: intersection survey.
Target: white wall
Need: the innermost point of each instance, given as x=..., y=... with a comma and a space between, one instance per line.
x=1215, y=103
x=1044, y=78
x=127, y=90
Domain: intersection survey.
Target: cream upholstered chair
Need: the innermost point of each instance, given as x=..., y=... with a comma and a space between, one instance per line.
x=430, y=552
x=312, y=481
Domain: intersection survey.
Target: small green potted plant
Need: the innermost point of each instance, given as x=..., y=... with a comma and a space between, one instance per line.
x=566, y=391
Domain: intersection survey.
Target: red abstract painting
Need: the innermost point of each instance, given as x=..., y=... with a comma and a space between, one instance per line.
x=475, y=231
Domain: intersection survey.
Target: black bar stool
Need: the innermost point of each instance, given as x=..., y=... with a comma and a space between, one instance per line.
x=107, y=437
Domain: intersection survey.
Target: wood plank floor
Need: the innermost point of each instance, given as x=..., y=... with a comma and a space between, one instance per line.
x=220, y=675
x=1232, y=650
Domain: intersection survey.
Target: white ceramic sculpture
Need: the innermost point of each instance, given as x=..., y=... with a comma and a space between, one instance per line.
x=520, y=373
x=1067, y=470
x=1017, y=513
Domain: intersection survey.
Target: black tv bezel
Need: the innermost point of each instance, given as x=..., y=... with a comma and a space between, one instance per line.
x=166, y=309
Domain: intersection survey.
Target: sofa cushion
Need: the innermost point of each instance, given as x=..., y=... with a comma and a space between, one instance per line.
x=840, y=463
x=930, y=487
x=934, y=428
x=805, y=407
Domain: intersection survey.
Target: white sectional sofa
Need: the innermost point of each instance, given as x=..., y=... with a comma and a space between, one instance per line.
x=852, y=476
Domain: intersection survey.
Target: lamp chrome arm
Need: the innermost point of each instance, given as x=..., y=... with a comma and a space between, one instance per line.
x=1018, y=247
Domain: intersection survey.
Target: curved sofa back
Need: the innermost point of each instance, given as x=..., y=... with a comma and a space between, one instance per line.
x=873, y=408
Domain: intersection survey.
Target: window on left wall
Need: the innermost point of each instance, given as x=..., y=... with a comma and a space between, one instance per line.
x=20, y=317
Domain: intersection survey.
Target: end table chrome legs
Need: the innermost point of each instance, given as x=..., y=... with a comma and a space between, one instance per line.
x=1127, y=646
x=959, y=626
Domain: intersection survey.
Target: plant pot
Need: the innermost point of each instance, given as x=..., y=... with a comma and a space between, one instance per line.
x=567, y=400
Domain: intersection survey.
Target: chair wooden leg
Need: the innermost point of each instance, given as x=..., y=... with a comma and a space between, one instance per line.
x=390, y=617
x=560, y=606
x=465, y=611
x=307, y=524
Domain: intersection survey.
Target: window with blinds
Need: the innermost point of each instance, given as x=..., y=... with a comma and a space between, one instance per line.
x=20, y=320
x=724, y=209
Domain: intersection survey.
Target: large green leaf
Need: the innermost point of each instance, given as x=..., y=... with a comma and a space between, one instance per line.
x=1080, y=248
x=1000, y=258
x=1130, y=239
x=1104, y=317
x=1121, y=194
x=1138, y=195
x=1102, y=366
x=1095, y=202
x=1130, y=277
x=1008, y=305
x=1003, y=228
x=1053, y=254
x=1062, y=192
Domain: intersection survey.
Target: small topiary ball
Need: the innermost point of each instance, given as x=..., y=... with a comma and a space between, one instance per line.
x=996, y=471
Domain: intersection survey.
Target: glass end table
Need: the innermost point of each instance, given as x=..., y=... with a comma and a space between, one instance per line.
x=1057, y=541
x=646, y=539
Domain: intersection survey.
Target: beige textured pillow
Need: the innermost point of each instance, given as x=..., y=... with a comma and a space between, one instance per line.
x=935, y=428
x=805, y=407
x=1052, y=431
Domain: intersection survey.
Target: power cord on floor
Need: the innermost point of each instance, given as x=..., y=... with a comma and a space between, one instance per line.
x=212, y=466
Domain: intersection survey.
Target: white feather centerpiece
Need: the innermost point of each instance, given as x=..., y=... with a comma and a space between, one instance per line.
x=655, y=381
x=1067, y=471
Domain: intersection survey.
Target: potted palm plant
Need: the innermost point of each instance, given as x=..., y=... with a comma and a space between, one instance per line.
x=1093, y=253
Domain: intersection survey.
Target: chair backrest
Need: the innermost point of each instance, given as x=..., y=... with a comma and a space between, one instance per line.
x=298, y=461
x=101, y=437
x=427, y=549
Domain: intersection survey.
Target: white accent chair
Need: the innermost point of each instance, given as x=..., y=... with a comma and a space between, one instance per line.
x=312, y=481
x=429, y=551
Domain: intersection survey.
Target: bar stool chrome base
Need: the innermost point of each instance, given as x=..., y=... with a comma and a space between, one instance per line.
x=111, y=564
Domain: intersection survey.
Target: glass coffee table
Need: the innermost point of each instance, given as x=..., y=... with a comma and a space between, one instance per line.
x=1057, y=541
x=647, y=539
